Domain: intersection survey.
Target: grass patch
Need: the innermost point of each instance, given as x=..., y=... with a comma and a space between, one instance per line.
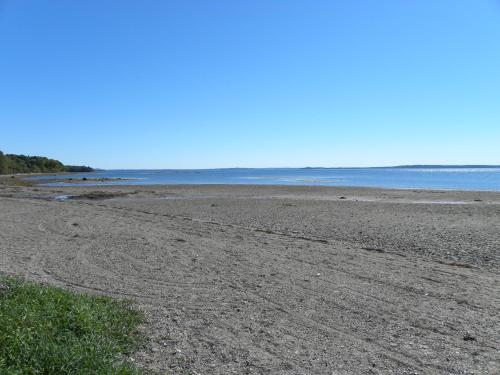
x=47, y=330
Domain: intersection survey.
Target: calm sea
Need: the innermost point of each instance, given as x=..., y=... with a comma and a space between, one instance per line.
x=403, y=178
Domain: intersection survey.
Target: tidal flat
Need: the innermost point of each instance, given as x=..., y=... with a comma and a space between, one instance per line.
x=275, y=279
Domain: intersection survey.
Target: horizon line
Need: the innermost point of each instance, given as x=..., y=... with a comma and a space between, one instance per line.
x=410, y=166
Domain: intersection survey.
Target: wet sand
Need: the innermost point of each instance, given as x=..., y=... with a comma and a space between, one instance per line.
x=278, y=280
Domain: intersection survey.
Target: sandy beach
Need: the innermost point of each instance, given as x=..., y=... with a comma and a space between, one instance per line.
x=276, y=279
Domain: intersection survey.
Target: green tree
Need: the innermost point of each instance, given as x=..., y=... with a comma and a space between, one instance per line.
x=3, y=163
x=11, y=163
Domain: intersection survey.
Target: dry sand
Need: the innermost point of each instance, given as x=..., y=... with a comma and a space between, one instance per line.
x=278, y=280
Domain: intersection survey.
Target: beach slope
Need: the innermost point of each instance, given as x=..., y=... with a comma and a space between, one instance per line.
x=281, y=280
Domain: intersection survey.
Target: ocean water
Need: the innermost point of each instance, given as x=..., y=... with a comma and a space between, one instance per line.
x=402, y=178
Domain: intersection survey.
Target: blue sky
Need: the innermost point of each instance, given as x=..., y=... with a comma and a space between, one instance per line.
x=262, y=83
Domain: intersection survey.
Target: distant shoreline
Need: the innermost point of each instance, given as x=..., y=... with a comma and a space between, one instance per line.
x=413, y=166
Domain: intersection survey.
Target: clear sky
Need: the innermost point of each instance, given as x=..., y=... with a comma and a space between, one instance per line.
x=261, y=83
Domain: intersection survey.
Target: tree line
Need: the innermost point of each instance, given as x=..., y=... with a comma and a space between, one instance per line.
x=10, y=164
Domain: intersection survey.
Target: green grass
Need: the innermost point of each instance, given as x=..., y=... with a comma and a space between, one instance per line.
x=47, y=330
